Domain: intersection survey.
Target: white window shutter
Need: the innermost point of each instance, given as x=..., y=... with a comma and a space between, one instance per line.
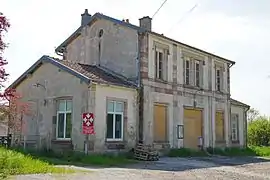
x=201, y=74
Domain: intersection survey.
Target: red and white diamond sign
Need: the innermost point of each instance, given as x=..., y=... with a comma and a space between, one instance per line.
x=88, y=123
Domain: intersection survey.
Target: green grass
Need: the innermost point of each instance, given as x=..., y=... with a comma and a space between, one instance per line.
x=14, y=163
x=184, y=152
x=232, y=152
x=261, y=150
x=77, y=158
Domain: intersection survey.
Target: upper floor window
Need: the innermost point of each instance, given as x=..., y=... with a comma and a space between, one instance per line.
x=187, y=72
x=218, y=79
x=115, y=120
x=197, y=73
x=64, y=119
x=160, y=64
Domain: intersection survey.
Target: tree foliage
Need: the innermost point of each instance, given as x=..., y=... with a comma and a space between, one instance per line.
x=4, y=25
x=252, y=114
x=259, y=131
x=12, y=108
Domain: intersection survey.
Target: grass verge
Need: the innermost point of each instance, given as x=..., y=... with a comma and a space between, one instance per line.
x=232, y=152
x=184, y=152
x=14, y=163
x=77, y=158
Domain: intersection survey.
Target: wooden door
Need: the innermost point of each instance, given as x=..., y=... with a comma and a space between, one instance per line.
x=160, y=123
x=219, y=126
x=192, y=127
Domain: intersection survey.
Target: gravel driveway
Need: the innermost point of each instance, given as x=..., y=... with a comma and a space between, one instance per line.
x=176, y=168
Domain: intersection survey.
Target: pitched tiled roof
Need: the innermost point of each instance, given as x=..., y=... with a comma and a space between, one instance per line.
x=96, y=73
x=87, y=73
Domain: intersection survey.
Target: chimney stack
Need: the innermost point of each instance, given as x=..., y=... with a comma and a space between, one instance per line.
x=146, y=23
x=85, y=17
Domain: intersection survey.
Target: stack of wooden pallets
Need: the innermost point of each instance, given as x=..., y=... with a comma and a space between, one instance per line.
x=145, y=153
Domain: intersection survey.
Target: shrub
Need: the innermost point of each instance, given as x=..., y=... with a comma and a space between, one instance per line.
x=259, y=132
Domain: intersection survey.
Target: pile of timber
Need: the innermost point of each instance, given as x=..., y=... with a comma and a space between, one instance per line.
x=145, y=153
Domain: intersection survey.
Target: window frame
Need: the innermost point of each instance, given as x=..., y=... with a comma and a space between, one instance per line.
x=114, y=113
x=197, y=79
x=218, y=78
x=235, y=120
x=65, y=112
x=187, y=72
x=159, y=71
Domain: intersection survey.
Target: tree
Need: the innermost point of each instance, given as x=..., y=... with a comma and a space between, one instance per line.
x=252, y=114
x=4, y=25
x=259, y=131
x=12, y=108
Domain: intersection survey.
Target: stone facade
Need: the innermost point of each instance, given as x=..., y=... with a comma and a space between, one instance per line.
x=59, y=84
x=129, y=52
x=177, y=95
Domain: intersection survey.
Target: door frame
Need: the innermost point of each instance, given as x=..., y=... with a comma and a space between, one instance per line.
x=202, y=121
x=166, y=105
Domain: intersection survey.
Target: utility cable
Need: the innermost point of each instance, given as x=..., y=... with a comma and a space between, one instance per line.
x=182, y=18
x=159, y=8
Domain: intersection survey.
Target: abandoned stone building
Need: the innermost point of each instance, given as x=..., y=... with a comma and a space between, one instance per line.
x=140, y=86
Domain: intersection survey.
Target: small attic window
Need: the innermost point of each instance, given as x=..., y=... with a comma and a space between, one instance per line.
x=100, y=33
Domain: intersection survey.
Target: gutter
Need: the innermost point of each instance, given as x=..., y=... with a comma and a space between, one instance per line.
x=233, y=63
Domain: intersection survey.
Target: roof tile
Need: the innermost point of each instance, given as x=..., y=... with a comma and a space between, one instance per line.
x=95, y=73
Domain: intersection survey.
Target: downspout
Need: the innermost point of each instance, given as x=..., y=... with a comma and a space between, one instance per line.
x=246, y=134
x=139, y=91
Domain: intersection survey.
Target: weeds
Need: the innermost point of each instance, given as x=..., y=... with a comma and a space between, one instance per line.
x=13, y=163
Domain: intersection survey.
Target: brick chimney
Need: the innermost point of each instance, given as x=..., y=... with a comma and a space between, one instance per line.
x=85, y=17
x=146, y=23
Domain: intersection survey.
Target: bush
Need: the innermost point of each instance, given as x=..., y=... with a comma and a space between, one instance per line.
x=259, y=132
x=261, y=150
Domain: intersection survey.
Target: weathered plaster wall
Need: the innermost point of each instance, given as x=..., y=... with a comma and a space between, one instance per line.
x=129, y=96
x=3, y=130
x=178, y=96
x=118, y=47
x=58, y=84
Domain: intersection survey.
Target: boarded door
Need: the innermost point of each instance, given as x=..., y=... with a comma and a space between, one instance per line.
x=192, y=127
x=219, y=126
x=160, y=123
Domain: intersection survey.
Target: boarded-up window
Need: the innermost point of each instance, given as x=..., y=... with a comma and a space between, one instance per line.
x=160, y=122
x=219, y=126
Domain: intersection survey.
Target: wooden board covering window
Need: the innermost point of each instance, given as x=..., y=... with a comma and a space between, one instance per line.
x=160, y=123
x=219, y=126
x=192, y=127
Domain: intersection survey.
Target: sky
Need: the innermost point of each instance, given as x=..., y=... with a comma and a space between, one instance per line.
x=236, y=30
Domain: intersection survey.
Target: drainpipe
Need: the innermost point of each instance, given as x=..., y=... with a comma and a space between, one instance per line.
x=245, y=118
x=139, y=91
x=138, y=62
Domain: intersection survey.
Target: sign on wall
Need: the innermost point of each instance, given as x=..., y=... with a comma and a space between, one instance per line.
x=88, y=123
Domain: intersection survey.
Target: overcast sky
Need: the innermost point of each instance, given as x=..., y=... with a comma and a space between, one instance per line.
x=237, y=30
